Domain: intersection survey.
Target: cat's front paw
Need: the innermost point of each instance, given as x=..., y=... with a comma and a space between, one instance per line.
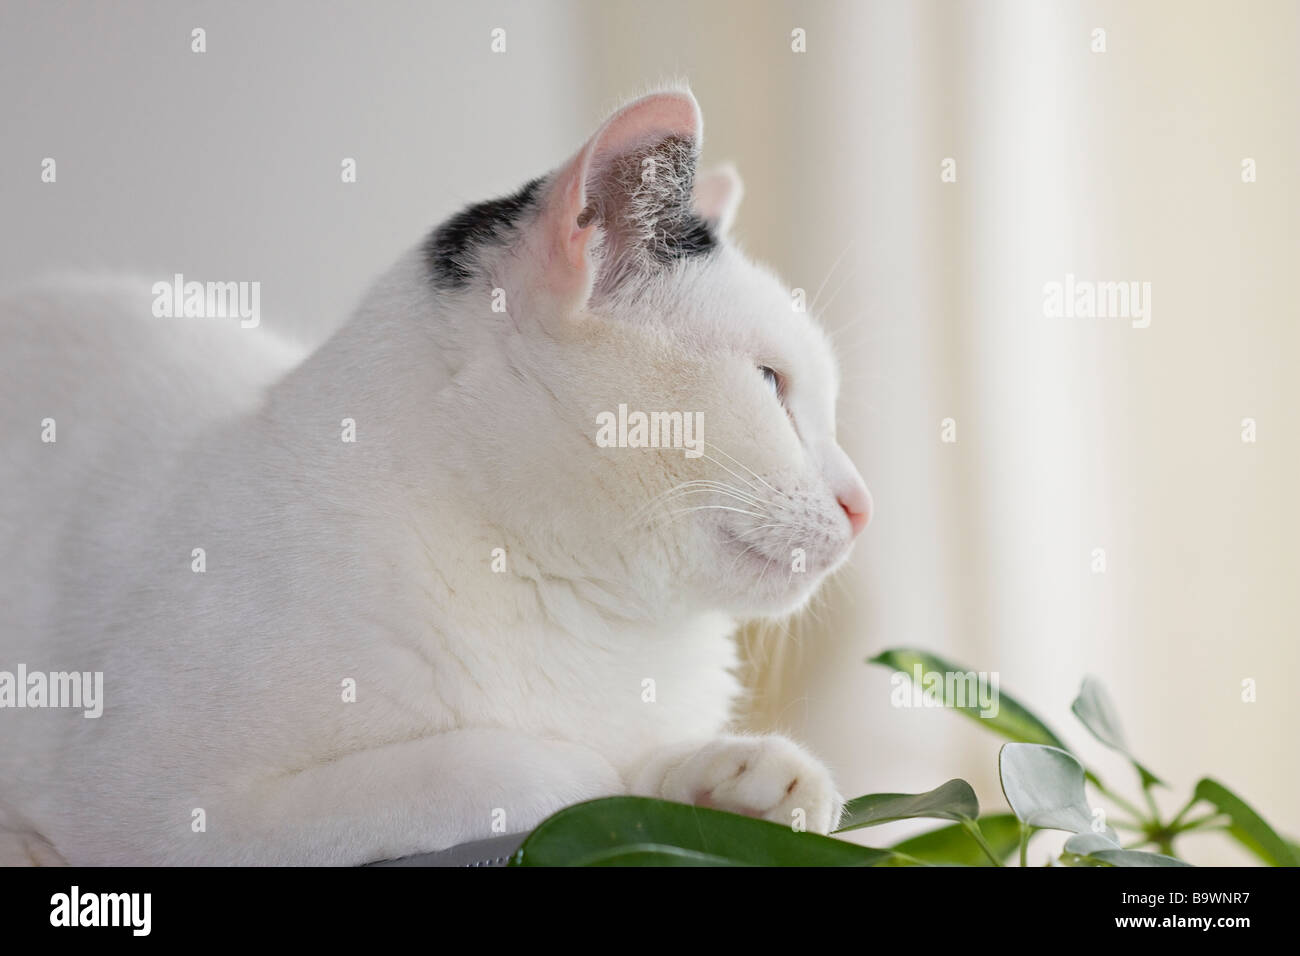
x=770, y=777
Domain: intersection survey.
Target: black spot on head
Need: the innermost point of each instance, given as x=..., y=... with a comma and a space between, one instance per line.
x=691, y=237
x=648, y=219
x=451, y=250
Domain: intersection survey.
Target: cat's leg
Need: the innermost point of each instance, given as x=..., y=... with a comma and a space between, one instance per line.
x=404, y=798
x=767, y=776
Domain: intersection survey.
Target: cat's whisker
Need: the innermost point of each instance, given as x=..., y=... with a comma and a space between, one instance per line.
x=855, y=346
x=729, y=471
x=834, y=265
x=789, y=578
x=785, y=549
x=695, y=486
x=854, y=322
x=865, y=334
x=718, y=488
x=678, y=512
x=743, y=499
x=858, y=347
x=726, y=488
x=756, y=529
x=742, y=465
x=736, y=560
x=741, y=511
x=838, y=289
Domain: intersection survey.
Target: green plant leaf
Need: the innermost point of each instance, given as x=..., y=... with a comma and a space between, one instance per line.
x=651, y=854
x=1096, y=847
x=954, y=800
x=1074, y=860
x=1248, y=827
x=1044, y=786
x=616, y=831
x=1012, y=720
x=954, y=845
x=1095, y=711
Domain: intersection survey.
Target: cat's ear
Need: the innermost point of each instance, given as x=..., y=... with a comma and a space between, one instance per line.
x=717, y=197
x=624, y=203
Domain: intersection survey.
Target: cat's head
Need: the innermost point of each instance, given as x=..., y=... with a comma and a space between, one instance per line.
x=620, y=316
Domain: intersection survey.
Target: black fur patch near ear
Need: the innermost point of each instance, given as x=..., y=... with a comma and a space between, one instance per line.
x=693, y=237
x=451, y=251
x=641, y=201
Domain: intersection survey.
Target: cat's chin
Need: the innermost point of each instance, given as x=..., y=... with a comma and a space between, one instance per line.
x=769, y=600
x=769, y=585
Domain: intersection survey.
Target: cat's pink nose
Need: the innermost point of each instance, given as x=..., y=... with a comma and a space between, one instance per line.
x=857, y=506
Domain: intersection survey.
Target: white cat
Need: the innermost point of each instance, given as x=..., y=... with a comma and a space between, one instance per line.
x=474, y=612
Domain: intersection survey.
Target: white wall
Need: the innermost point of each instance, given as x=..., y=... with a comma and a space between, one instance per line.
x=1072, y=434
x=226, y=165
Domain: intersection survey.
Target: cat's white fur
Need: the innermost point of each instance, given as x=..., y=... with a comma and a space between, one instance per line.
x=482, y=697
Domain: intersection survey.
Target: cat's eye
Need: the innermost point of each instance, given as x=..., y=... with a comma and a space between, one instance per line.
x=773, y=379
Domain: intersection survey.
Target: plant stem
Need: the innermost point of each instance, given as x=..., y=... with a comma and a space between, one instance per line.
x=910, y=859
x=1197, y=823
x=1024, y=844
x=1151, y=802
x=1173, y=824
x=1127, y=825
x=973, y=828
x=1120, y=801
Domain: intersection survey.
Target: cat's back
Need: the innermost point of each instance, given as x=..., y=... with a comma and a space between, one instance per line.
x=98, y=398
x=71, y=343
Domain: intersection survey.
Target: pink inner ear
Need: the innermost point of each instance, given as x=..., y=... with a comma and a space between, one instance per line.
x=648, y=120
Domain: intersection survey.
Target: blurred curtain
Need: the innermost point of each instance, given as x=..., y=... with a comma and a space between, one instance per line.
x=1072, y=435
